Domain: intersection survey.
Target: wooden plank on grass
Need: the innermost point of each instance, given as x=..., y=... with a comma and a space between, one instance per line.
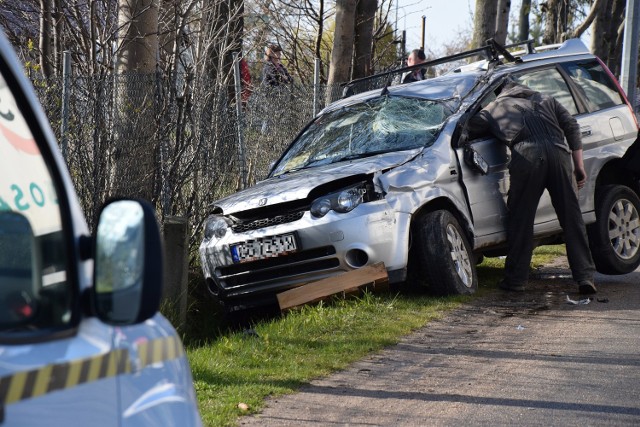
x=372, y=277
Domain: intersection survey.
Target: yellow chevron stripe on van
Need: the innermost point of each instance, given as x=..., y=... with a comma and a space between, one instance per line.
x=159, y=350
x=47, y=379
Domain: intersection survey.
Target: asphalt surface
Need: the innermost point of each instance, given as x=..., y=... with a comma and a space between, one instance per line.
x=531, y=359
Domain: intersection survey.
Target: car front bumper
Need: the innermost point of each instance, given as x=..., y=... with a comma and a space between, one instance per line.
x=328, y=246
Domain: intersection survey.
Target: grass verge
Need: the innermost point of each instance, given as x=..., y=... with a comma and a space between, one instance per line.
x=276, y=356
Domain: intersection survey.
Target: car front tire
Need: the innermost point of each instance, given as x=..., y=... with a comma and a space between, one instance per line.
x=614, y=238
x=443, y=260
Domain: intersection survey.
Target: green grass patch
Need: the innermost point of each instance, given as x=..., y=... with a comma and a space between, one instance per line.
x=545, y=254
x=277, y=355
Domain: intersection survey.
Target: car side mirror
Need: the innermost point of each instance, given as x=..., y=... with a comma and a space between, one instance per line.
x=128, y=263
x=475, y=160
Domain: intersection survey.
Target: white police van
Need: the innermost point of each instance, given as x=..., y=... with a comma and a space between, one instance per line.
x=81, y=340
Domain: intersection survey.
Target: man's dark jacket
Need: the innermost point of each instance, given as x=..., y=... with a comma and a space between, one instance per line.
x=504, y=119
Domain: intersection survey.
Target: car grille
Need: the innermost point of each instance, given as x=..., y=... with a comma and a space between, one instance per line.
x=266, y=222
x=281, y=269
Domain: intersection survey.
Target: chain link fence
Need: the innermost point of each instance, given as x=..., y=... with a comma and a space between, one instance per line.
x=175, y=140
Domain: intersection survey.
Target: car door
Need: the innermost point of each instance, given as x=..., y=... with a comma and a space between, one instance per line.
x=487, y=193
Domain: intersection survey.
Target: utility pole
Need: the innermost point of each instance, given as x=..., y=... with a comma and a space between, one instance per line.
x=629, y=68
x=424, y=23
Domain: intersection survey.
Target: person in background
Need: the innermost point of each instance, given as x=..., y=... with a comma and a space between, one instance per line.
x=416, y=57
x=546, y=153
x=273, y=72
x=276, y=88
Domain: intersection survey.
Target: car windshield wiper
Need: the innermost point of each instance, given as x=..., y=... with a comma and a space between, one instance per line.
x=354, y=156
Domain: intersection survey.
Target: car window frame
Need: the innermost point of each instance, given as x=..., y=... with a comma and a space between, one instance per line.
x=583, y=97
x=31, y=110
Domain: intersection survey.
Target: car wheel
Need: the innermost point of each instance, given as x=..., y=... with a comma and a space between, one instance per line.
x=442, y=258
x=615, y=236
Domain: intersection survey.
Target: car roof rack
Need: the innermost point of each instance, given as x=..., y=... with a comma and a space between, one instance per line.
x=492, y=51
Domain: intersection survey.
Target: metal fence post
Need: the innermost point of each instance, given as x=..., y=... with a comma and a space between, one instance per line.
x=66, y=93
x=240, y=117
x=316, y=85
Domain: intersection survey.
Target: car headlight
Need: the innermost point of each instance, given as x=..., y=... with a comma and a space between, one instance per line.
x=216, y=226
x=342, y=201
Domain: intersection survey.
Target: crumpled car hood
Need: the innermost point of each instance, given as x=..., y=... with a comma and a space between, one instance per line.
x=297, y=185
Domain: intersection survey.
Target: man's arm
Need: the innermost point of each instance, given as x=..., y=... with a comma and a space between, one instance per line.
x=569, y=126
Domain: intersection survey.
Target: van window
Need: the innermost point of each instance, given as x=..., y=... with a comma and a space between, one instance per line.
x=34, y=290
x=595, y=84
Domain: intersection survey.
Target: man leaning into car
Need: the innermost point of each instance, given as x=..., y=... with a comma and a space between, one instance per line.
x=546, y=152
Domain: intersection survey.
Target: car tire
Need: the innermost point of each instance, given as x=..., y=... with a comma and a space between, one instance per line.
x=615, y=236
x=442, y=258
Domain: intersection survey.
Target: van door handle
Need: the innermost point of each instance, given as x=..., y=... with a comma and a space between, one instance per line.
x=585, y=130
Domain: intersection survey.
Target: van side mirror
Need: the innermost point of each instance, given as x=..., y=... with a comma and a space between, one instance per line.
x=128, y=263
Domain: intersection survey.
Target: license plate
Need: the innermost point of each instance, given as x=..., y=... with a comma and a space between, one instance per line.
x=265, y=247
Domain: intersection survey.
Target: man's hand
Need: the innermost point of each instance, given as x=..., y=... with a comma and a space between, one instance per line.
x=581, y=177
x=578, y=168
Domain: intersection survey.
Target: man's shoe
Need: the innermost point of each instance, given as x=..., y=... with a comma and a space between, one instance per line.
x=586, y=287
x=510, y=287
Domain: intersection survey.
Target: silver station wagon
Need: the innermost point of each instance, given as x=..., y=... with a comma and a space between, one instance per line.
x=389, y=175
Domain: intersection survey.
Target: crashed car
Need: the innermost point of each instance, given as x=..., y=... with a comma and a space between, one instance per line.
x=390, y=175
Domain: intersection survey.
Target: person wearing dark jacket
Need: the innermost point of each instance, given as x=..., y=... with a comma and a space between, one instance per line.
x=546, y=152
x=416, y=57
x=276, y=88
x=273, y=72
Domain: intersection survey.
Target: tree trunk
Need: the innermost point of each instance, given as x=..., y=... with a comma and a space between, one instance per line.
x=46, y=42
x=563, y=20
x=616, y=29
x=523, y=20
x=342, y=47
x=317, y=49
x=550, y=35
x=601, y=36
x=502, y=21
x=484, y=23
x=135, y=153
x=363, y=38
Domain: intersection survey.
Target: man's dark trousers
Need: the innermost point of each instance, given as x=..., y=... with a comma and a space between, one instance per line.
x=535, y=166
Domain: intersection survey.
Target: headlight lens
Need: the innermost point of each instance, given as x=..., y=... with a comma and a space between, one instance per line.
x=215, y=226
x=342, y=201
x=349, y=199
x=320, y=207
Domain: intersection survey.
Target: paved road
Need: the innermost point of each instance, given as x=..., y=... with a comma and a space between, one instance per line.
x=527, y=359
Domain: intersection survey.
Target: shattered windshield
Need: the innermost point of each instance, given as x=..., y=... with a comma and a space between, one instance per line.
x=375, y=126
